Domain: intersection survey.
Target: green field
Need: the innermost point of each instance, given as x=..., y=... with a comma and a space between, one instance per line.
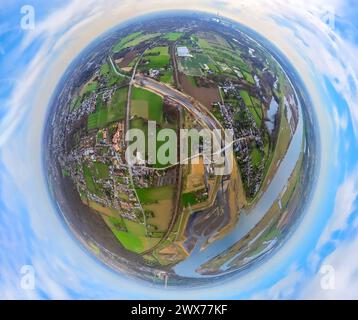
x=139, y=108
x=89, y=179
x=246, y=97
x=133, y=40
x=292, y=183
x=119, y=100
x=105, y=115
x=130, y=241
x=153, y=195
x=141, y=39
x=76, y=103
x=195, y=65
x=167, y=77
x=284, y=138
x=173, y=36
x=256, y=157
x=91, y=185
x=215, y=40
x=101, y=170
x=105, y=69
x=120, y=45
x=97, y=170
x=221, y=52
x=248, y=77
x=167, y=145
x=204, y=44
x=255, y=110
x=142, y=125
x=108, y=72
x=128, y=233
x=139, y=123
x=158, y=57
x=65, y=173
x=135, y=228
x=192, y=198
x=132, y=235
x=188, y=199
x=154, y=102
x=89, y=88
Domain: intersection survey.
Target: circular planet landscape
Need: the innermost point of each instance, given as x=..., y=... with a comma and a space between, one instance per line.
x=180, y=223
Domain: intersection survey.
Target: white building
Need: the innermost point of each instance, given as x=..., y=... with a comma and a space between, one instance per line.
x=183, y=52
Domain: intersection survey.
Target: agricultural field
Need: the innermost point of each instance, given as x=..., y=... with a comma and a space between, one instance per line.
x=157, y=58
x=147, y=106
x=153, y=195
x=132, y=235
x=139, y=108
x=195, y=180
x=173, y=36
x=98, y=170
x=111, y=76
x=158, y=201
x=292, y=183
x=104, y=114
x=76, y=103
x=89, y=88
x=227, y=59
x=142, y=125
x=206, y=95
x=193, y=198
x=248, y=77
x=144, y=99
x=167, y=77
x=256, y=157
x=162, y=211
x=120, y=45
x=246, y=97
x=282, y=144
x=133, y=40
x=254, y=108
x=110, y=212
x=196, y=65
x=101, y=170
x=210, y=39
x=105, y=69
x=92, y=173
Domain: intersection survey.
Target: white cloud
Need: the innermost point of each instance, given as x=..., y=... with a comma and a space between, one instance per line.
x=338, y=62
x=285, y=288
x=344, y=207
x=343, y=258
x=345, y=263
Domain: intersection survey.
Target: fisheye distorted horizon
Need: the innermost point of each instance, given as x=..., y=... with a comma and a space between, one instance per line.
x=170, y=153
x=141, y=209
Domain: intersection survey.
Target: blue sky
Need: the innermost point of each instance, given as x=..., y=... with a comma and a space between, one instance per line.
x=31, y=64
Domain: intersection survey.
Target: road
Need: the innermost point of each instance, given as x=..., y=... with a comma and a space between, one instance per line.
x=115, y=69
x=197, y=109
x=175, y=64
x=179, y=187
x=127, y=127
